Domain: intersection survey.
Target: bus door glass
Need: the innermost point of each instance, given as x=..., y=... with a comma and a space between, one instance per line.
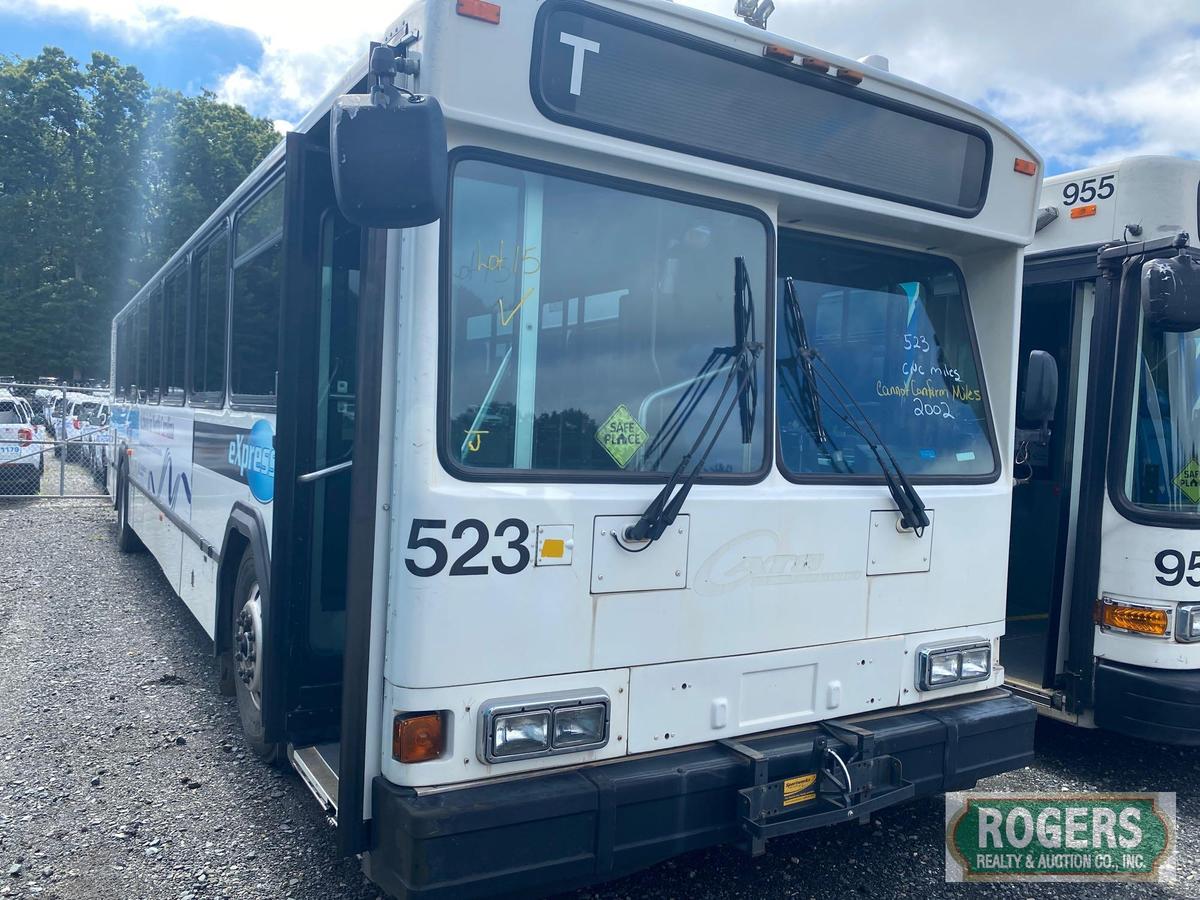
x=333, y=411
x=1051, y=320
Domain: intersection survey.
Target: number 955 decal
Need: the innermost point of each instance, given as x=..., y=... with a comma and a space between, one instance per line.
x=1171, y=564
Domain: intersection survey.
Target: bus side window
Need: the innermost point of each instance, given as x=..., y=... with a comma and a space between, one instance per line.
x=208, y=320
x=257, y=284
x=154, y=339
x=175, y=334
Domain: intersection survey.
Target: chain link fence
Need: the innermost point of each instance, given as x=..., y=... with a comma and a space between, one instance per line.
x=55, y=441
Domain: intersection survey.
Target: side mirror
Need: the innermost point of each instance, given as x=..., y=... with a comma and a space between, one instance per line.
x=1171, y=293
x=389, y=157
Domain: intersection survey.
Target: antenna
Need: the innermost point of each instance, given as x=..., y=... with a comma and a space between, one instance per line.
x=754, y=12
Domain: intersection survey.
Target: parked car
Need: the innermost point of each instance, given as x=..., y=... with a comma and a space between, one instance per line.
x=96, y=441
x=20, y=457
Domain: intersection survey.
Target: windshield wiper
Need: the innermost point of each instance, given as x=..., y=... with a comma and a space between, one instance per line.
x=742, y=375
x=904, y=495
x=797, y=380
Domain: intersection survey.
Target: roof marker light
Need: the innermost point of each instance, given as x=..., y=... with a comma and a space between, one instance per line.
x=481, y=10
x=1082, y=212
x=815, y=64
x=853, y=76
x=776, y=51
x=1024, y=166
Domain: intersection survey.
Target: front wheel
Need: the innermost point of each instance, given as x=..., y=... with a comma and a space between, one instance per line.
x=248, y=654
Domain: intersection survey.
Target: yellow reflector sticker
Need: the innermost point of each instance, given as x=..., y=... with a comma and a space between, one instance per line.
x=553, y=548
x=798, y=785
x=621, y=436
x=1188, y=480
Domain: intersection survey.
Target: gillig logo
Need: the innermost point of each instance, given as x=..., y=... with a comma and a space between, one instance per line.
x=754, y=559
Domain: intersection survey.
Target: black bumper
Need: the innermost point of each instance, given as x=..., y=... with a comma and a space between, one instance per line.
x=1161, y=705
x=571, y=828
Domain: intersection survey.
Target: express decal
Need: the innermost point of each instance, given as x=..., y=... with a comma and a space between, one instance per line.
x=244, y=456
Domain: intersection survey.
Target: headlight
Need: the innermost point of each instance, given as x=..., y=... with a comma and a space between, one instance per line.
x=976, y=663
x=579, y=726
x=521, y=734
x=1187, y=623
x=524, y=727
x=939, y=667
x=943, y=668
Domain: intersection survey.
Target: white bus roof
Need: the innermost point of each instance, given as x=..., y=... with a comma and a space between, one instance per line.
x=1158, y=194
x=485, y=100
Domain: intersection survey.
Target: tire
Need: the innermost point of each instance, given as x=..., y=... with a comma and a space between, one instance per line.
x=247, y=652
x=34, y=485
x=127, y=539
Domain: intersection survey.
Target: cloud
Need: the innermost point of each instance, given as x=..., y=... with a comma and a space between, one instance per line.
x=1084, y=82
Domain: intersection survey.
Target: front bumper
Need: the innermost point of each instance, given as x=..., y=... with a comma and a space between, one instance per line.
x=570, y=828
x=1160, y=705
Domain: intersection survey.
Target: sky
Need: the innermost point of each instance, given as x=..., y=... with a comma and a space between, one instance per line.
x=1085, y=82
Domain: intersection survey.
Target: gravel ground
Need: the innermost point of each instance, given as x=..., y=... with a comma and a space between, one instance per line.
x=123, y=772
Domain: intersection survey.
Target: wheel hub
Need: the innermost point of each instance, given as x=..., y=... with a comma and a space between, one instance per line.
x=247, y=645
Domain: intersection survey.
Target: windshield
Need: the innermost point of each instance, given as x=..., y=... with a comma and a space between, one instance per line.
x=1164, y=471
x=893, y=327
x=579, y=317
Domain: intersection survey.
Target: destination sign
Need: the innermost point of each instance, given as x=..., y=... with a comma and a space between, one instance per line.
x=614, y=74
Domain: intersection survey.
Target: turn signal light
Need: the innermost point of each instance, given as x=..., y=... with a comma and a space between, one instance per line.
x=1082, y=212
x=418, y=737
x=1024, y=166
x=481, y=10
x=1137, y=619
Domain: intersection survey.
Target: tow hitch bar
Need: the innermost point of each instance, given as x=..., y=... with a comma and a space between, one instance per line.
x=844, y=782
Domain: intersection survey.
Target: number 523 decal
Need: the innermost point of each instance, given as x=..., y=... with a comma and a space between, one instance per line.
x=1171, y=564
x=434, y=554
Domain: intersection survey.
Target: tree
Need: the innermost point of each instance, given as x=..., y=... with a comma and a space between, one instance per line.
x=101, y=180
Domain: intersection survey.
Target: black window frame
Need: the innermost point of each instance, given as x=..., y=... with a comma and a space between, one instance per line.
x=989, y=419
x=141, y=343
x=788, y=71
x=252, y=402
x=222, y=230
x=1128, y=312
x=154, y=296
x=600, y=179
x=181, y=271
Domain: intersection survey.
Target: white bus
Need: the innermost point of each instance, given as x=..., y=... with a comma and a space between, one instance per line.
x=634, y=476
x=1103, y=617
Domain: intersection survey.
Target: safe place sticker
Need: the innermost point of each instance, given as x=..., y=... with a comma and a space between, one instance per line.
x=621, y=436
x=1188, y=480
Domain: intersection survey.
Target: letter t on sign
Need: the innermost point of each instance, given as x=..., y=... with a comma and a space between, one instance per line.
x=580, y=47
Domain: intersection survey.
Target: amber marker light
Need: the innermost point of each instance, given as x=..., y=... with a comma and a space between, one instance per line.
x=418, y=737
x=481, y=10
x=1024, y=166
x=1146, y=620
x=1082, y=212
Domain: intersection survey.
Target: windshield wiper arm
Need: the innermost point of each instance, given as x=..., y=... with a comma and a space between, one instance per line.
x=912, y=509
x=797, y=336
x=663, y=509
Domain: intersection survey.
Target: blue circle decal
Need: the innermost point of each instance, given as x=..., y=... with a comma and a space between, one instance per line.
x=260, y=472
